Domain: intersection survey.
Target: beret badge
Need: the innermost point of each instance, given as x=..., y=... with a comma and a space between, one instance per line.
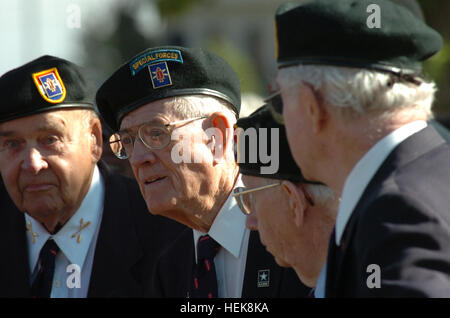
x=50, y=85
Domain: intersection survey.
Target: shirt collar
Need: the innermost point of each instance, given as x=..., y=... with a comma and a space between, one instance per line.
x=228, y=228
x=74, y=247
x=319, y=290
x=365, y=169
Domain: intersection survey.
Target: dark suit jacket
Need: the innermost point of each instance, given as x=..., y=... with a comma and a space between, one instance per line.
x=173, y=274
x=402, y=224
x=129, y=241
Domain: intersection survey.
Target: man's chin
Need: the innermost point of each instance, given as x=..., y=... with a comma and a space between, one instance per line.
x=41, y=211
x=281, y=262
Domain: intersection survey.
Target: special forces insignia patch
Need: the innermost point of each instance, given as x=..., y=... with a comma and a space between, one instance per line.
x=160, y=75
x=50, y=85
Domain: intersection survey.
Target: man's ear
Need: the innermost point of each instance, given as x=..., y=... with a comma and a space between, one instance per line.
x=220, y=134
x=296, y=200
x=96, y=137
x=315, y=109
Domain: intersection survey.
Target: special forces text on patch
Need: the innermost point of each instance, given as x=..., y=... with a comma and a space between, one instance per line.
x=156, y=56
x=50, y=85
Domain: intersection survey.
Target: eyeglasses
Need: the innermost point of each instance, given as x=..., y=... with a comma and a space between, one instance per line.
x=152, y=135
x=244, y=197
x=275, y=104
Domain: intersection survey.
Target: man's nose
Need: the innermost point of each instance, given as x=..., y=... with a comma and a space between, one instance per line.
x=252, y=221
x=140, y=154
x=34, y=161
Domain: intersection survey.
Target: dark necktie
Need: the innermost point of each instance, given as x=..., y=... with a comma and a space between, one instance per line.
x=205, y=280
x=42, y=285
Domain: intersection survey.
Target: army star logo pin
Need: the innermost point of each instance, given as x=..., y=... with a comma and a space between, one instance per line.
x=264, y=278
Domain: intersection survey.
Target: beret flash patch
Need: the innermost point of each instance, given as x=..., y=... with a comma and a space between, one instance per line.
x=152, y=57
x=50, y=85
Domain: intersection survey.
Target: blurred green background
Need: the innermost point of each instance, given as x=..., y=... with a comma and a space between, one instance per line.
x=104, y=34
x=241, y=31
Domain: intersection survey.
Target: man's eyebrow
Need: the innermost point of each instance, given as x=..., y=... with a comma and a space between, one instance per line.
x=41, y=128
x=153, y=121
x=7, y=133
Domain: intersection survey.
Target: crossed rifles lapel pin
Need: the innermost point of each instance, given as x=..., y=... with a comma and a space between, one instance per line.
x=33, y=234
x=81, y=228
x=77, y=234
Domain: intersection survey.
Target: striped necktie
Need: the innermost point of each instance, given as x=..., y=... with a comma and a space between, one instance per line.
x=205, y=280
x=42, y=285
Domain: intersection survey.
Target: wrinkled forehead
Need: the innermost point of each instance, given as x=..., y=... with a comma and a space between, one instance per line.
x=160, y=112
x=52, y=120
x=254, y=181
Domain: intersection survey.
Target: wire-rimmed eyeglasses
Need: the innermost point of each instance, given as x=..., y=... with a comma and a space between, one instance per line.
x=153, y=135
x=275, y=104
x=244, y=197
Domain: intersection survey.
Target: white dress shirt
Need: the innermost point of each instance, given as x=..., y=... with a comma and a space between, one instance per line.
x=319, y=290
x=229, y=230
x=73, y=250
x=362, y=173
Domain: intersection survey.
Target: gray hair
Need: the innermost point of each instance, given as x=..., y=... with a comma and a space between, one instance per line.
x=86, y=116
x=320, y=194
x=185, y=107
x=360, y=90
x=191, y=106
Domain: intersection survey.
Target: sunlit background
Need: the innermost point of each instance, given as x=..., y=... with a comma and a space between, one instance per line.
x=103, y=34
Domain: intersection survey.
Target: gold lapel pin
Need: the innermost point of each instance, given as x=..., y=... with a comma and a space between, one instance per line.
x=33, y=234
x=82, y=227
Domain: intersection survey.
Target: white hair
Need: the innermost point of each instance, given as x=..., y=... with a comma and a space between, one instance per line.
x=191, y=106
x=320, y=194
x=360, y=90
x=185, y=107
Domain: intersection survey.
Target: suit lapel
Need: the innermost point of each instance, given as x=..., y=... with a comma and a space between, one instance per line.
x=410, y=149
x=260, y=263
x=14, y=268
x=118, y=248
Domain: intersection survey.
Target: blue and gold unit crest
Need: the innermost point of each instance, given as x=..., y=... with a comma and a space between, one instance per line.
x=50, y=85
x=160, y=75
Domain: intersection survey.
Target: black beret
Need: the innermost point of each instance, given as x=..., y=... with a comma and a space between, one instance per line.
x=262, y=118
x=413, y=6
x=337, y=33
x=162, y=72
x=45, y=84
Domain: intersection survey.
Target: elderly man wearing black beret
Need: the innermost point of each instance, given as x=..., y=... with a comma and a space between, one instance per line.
x=356, y=106
x=173, y=110
x=84, y=232
x=293, y=216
